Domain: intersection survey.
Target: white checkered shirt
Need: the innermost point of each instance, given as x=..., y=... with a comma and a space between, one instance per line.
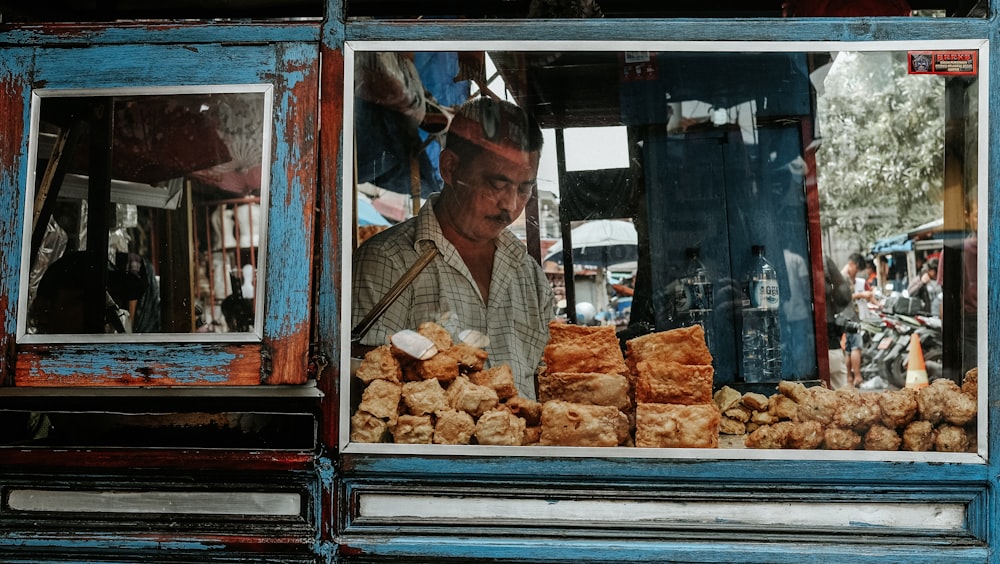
x=515, y=320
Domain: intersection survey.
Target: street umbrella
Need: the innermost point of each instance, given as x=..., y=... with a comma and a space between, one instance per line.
x=600, y=243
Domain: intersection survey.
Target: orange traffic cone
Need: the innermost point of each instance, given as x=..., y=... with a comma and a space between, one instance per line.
x=916, y=371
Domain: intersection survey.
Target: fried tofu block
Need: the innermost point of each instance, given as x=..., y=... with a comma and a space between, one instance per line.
x=500, y=427
x=453, y=427
x=683, y=346
x=469, y=357
x=441, y=366
x=756, y=402
x=379, y=364
x=576, y=348
x=670, y=382
x=474, y=399
x=525, y=408
x=730, y=426
x=424, y=397
x=366, y=428
x=413, y=430
x=577, y=424
x=782, y=407
x=381, y=399
x=585, y=387
x=661, y=425
x=500, y=378
x=437, y=335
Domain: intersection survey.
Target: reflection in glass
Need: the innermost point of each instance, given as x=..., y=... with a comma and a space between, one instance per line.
x=805, y=155
x=146, y=215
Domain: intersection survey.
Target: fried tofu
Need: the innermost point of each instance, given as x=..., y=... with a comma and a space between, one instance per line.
x=577, y=424
x=659, y=425
x=585, y=387
x=673, y=383
x=682, y=346
x=500, y=378
x=500, y=427
x=576, y=348
x=379, y=364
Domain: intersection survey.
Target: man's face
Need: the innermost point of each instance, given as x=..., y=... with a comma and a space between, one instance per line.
x=491, y=191
x=852, y=269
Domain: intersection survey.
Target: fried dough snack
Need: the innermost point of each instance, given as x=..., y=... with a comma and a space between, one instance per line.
x=463, y=395
x=898, y=407
x=413, y=429
x=437, y=335
x=453, y=428
x=585, y=387
x=469, y=357
x=366, y=428
x=951, y=439
x=576, y=348
x=770, y=436
x=683, y=346
x=500, y=427
x=816, y=404
x=726, y=398
x=841, y=439
x=424, y=397
x=670, y=382
x=441, y=366
x=970, y=383
x=525, y=408
x=659, y=425
x=856, y=411
x=880, y=437
x=805, y=435
x=919, y=436
x=576, y=424
x=381, y=399
x=379, y=364
x=500, y=378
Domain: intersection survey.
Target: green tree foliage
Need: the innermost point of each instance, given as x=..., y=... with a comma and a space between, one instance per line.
x=881, y=161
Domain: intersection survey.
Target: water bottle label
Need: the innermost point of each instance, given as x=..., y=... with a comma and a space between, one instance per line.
x=765, y=294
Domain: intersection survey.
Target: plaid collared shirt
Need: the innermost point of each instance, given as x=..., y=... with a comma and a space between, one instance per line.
x=515, y=319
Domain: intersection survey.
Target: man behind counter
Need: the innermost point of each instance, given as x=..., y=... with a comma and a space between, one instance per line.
x=482, y=278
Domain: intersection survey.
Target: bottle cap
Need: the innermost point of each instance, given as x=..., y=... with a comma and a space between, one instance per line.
x=756, y=250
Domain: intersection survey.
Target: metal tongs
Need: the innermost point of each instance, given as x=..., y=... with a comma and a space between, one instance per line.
x=408, y=341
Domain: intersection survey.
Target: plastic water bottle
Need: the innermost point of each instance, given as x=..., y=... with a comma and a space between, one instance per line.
x=761, y=342
x=698, y=300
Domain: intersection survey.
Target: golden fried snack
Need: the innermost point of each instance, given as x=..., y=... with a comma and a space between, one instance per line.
x=840, y=439
x=423, y=397
x=763, y=418
x=437, y=335
x=816, y=404
x=726, y=398
x=577, y=424
x=960, y=408
x=670, y=382
x=854, y=411
x=806, y=435
x=739, y=413
x=794, y=390
x=379, y=364
x=469, y=357
x=366, y=428
x=932, y=401
x=500, y=427
x=577, y=348
x=500, y=378
x=919, y=436
x=970, y=383
x=441, y=366
x=662, y=425
x=755, y=401
x=381, y=399
x=413, y=430
x=453, y=427
x=525, y=408
x=770, y=436
x=463, y=395
x=880, y=437
x=951, y=439
x=683, y=346
x=898, y=407
x=585, y=387
x=782, y=407
x=730, y=426
x=532, y=435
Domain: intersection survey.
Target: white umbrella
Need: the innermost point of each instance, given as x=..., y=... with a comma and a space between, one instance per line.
x=601, y=242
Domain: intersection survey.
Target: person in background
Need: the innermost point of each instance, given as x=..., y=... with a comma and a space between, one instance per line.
x=854, y=274
x=926, y=287
x=482, y=277
x=838, y=296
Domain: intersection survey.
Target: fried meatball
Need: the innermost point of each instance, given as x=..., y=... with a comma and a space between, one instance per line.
x=805, y=435
x=880, y=437
x=898, y=407
x=817, y=404
x=855, y=411
x=840, y=439
x=919, y=436
x=951, y=439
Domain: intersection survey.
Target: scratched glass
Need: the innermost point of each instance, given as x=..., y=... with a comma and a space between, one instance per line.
x=147, y=213
x=698, y=153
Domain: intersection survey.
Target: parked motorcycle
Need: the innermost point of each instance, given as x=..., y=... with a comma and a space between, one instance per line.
x=886, y=355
